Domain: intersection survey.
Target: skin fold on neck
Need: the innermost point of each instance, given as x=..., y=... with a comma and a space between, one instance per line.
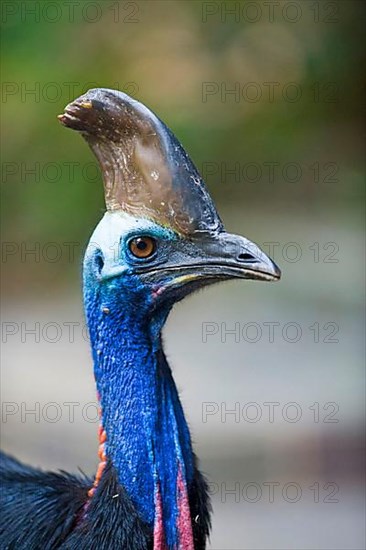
x=146, y=435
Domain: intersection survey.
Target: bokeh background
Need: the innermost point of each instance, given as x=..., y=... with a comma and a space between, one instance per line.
x=268, y=98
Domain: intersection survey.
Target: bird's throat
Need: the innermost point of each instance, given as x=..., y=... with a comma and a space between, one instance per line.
x=144, y=431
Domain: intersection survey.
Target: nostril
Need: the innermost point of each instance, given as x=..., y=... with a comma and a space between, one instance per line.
x=247, y=257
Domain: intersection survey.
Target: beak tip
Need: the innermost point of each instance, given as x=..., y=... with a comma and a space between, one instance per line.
x=277, y=274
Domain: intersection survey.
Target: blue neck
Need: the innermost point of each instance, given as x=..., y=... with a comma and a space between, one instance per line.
x=148, y=440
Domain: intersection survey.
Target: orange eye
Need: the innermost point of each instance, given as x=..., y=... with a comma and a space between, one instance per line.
x=142, y=247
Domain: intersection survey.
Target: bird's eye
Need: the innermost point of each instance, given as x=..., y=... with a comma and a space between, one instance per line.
x=142, y=247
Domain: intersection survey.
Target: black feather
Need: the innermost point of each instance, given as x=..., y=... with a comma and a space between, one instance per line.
x=46, y=510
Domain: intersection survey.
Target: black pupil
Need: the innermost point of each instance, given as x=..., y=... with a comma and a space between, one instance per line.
x=141, y=244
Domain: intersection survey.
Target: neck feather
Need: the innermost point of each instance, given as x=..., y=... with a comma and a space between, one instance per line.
x=146, y=435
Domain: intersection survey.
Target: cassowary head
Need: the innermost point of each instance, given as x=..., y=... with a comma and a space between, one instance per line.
x=161, y=237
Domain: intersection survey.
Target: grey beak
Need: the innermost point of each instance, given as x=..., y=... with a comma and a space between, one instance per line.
x=242, y=258
x=215, y=257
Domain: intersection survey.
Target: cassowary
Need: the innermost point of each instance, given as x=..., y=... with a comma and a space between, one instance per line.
x=159, y=240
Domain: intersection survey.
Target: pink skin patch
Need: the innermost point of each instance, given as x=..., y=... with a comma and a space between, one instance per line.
x=158, y=291
x=159, y=539
x=184, y=523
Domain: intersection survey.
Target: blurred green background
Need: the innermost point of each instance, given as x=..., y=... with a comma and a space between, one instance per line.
x=268, y=99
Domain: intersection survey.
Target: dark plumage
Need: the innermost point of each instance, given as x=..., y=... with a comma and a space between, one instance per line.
x=47, y=510
x=160, y=239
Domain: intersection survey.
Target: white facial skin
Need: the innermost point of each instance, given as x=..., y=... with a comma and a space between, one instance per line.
x=115, y=229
